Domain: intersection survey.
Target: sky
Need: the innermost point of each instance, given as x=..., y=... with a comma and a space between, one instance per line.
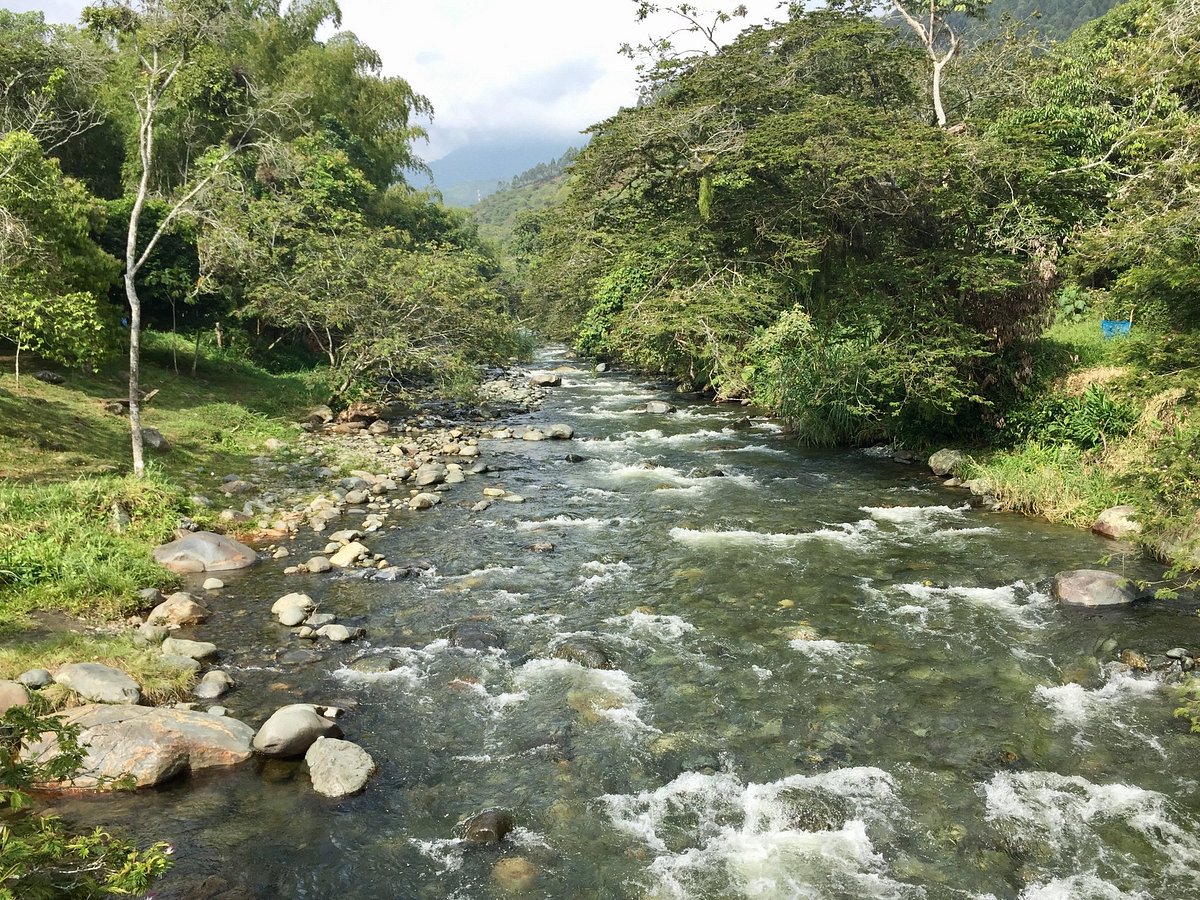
x=496, y=70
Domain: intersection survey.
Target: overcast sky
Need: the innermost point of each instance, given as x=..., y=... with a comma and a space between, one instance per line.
x=495, y=68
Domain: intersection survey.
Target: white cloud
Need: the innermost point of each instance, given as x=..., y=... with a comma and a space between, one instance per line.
x=497, y=67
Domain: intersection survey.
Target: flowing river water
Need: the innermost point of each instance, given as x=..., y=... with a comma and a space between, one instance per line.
x=831, y=678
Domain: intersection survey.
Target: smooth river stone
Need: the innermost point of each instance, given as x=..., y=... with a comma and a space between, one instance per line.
x=338, y=768
x=150, y=745
x=204, y=551
x=1094, y=588
x=99, y=683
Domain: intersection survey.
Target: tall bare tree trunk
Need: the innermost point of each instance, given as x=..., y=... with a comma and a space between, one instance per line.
x=132, y=264
x=135, y=374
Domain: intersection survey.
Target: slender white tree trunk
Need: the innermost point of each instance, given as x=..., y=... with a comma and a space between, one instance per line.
x=146, y=149
x=938, y=109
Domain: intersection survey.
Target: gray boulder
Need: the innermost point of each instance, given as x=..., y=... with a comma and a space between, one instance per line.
x=560, y=432
x=99, y=683
x=1094, y=588
x=203, y=551
x=36, y=679
x=197, y=650
x=150, y=745
x=658, y=408
x=545, y=379
x=944, y=462
x=291, y=730
x=214, y=684
x=1117, y=523
x=338, y=768
x=153, y=438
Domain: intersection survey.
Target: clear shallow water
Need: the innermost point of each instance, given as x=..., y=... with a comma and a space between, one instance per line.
x=833, y=680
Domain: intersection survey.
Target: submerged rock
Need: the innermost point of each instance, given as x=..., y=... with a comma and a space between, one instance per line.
x=476, y=636
x=486, y=828
x=149, y=745
x=1094, y=588
x=338, y=768
x=515, y=875
x=587, y=652
x=203, y=551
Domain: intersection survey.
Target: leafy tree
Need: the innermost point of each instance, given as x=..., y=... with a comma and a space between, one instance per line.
x=53, y=276
x=169, y=40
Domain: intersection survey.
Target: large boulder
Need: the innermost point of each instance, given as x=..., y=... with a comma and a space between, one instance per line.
x=545, y=379
x=1117, y=523
x=1094, y=588
x=99, y=683
x=150, y=745
x=560, y=432
x=291, y=730
x=944, y=462
x=338, y=768
x=658, y=408
x=203, y=551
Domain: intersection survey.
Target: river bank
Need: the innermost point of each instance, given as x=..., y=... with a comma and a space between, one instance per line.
x=884, y=665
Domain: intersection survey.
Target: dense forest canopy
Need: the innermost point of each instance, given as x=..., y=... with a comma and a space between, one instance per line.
x=279, y=161
x=783, y=219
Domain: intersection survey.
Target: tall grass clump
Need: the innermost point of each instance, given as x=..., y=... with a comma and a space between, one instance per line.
x=83, y=547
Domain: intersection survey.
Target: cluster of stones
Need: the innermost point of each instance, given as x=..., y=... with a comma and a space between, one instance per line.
x=129, y=743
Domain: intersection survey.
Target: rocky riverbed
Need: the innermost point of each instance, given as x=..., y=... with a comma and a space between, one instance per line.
x=616, y=644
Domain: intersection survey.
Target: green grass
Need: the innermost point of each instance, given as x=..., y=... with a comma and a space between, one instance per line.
x=60, y=550
x=65, y=462
x=160, y=683
x=1059, y=484
x=216, y=421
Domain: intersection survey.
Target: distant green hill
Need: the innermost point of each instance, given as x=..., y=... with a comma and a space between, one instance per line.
x=540, y=187
x=1053, y=18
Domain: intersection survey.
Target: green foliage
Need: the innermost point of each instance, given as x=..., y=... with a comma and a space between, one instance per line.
x=1086, y=421
x=39, y=857
x=52, y=274
x=59, y=547
x=1189, y=696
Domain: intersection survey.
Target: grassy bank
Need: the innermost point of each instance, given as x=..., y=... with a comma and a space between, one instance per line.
x=1114, y=422
x=76, y=530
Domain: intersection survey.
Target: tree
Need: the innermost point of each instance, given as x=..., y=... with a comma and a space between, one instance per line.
x=930, y=21
x=53, y=276
x=164, y=37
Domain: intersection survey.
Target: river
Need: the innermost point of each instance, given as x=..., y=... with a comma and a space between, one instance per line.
x=832, y=678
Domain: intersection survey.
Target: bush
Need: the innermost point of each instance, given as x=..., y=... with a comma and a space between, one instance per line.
x=1087, y=421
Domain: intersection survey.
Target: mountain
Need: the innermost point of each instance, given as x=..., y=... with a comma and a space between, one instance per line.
x=536, y=188
x=475, y=171
x=1053, y=18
